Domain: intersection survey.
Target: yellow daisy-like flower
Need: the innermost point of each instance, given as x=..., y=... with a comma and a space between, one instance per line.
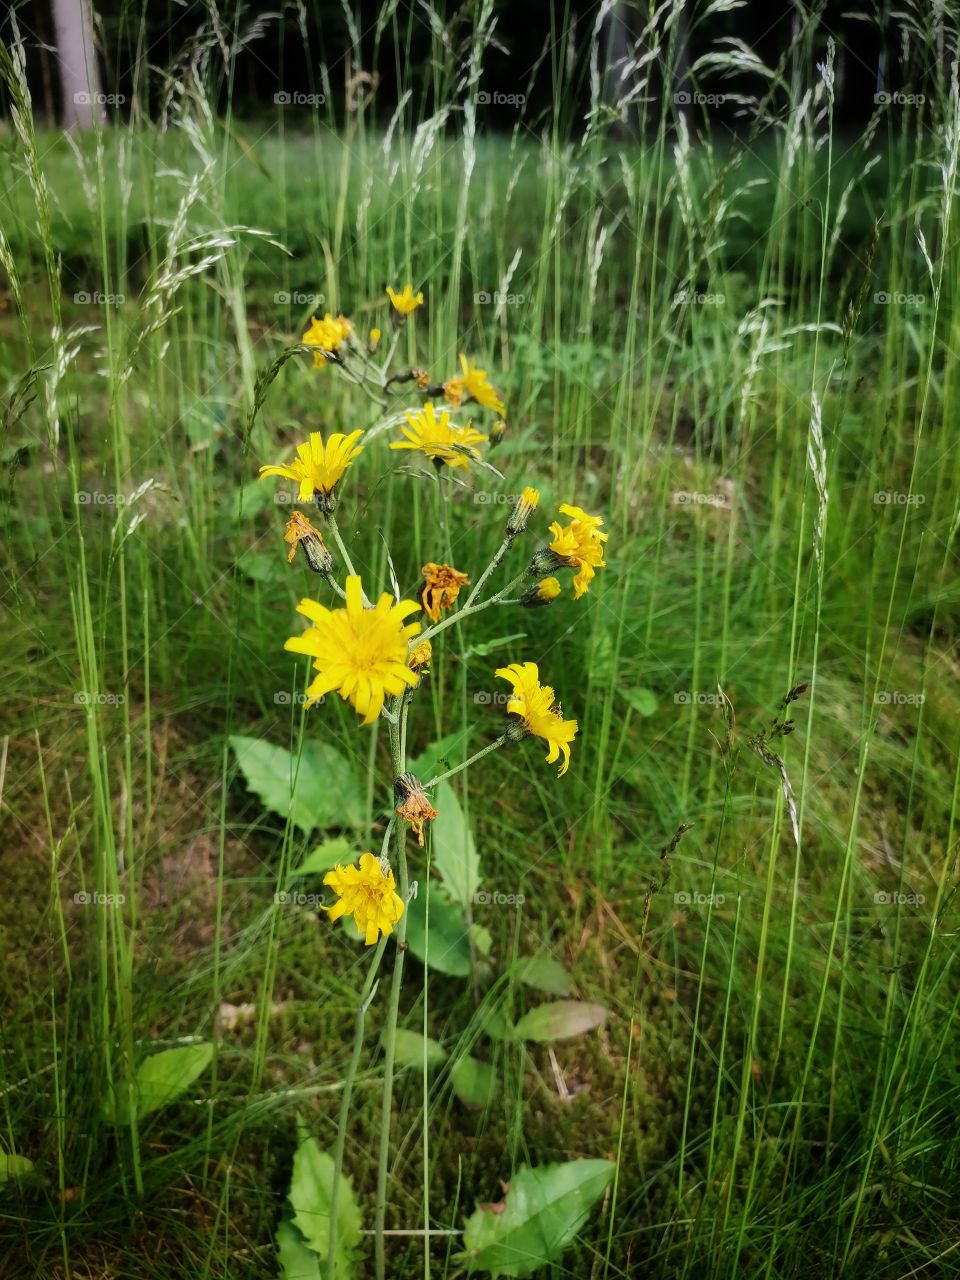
x=439, y=438
x=319, y=467
x=579, y=545
x=369, y=894
x=406, y=300
x=477, y=387
x=327, y=334
x=539, y=711
x=441, y=586
x=361, y=653
x=523, y=509
x=541, y=593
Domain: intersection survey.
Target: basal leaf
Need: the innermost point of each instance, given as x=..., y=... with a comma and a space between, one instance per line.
x=324, y=791
x=454, y=849
x=13, y=1166
x=329, y=853
x=560, y=1020
x=643, y=701
x=447, y=948
x=543, y=1210
x=160, y=1079
x=474, y=1082
x=297, y=1260
x=413, y=1049
x=311, y=1186
x=545, y=974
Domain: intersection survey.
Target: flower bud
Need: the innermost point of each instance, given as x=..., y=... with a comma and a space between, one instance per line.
x=541, y=593
x=497, y=432
x=523, y=509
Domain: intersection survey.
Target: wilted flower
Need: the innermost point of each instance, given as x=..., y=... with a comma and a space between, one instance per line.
x=420, y=656
x=412, y=804
x=301, y=533
x=406, y=300
x=361, y=653
x=319, y=467
x=368, y=893
x=327, y=335
x=538, y=711
x=441, y=440
x=441, y=586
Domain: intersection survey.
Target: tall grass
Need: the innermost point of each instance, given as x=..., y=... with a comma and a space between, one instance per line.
x=737, y=345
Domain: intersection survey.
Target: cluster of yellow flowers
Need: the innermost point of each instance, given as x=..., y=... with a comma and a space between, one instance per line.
x=369, y=653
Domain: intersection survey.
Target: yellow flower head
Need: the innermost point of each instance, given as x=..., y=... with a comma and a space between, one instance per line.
x=369, y=894
x=439, y=438
x=472, y=384
x=361, y=653
x=541, y=593
x=441, y=586
x=538, y=711
x=579, y=545
x=301, y=533
x=326, y=334
x=406, y=300
x=319, y=467
x=420, y=656
x=413, y=805
x=375, y=336
x=523, y=509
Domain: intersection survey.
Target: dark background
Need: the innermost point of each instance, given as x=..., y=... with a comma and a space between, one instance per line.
x=138, y=38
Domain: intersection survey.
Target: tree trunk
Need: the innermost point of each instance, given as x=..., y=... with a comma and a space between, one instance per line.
x=77, y=63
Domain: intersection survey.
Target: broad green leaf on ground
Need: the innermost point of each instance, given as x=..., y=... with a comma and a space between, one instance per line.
x=454, y=849
x=261, y=566
x=545, y=974
x=497, y=1024
x=13, y=1166
x=328, y=792
x=297, y=1260
x=311, y=1185
x=474, y=1082
x=542, y=1212
x=449, y=944
x=482, y=939
x=160, y=1079
x=413, y=1049
x=329, y=853
x=560, y=1020
x=448, y=748
x=643, y=701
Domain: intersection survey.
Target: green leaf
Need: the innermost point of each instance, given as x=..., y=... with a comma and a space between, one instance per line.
x=449, y=748
x=262, y=566
x=545, y=974
x=498, y=1025
x=327, y=792
x=643, y=701
x=486, y=647
x=474, y=1082
x=330, y=853
x=413, y=1048
x=454, y=849
x=13, y=1166
x=447, y=948
x=560, y=1020
x=160, y=1079
x=542, y=1213
x=311, y=1185
x=297, y=1260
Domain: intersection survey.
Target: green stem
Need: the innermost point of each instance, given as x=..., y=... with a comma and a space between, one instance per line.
x=504, y=547
x=477, y=755
x=468, y=609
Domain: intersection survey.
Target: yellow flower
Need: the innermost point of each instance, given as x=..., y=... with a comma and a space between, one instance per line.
x=538, y=711
x=439, y=438
x=441, y=586
x=413, y=804
x=541, y=593
x=369, y=894
x=405, y=301
x=375, y=336
x=319, y=467
x=579, y=545
x=420, y=656
x=472, y=384
x=327, y=334
x=523, y=509
x=361, y=653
